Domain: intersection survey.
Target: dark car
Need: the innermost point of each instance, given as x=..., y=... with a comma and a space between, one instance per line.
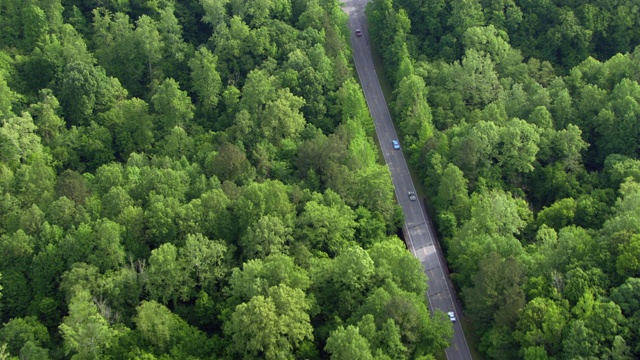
x=412, y=196
x=358, y=32
x=396, y=144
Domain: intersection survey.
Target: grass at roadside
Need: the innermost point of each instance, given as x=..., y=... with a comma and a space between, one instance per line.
x=470, y=335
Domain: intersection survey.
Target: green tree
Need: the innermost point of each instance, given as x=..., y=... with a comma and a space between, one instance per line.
x=19, y=248
x=476, y=80
x=46, y=271
x=518, y=147
x=273, y=326
x=413, y=111
x=34, y=181
x=419, y=333
x=569, y=34
x=541, y=324
x=496, y=297
x=620, y=350
x=204, y=259
x=7, y=96
x=453, y=193
x=107, y=251
x=558, y=215
x=64, y=213
x=599, y=322
x=573, y=247
x=579, y=341
x=131, y=126
x=327, y=228
x=282, y=118
x=92, y=146
x=149, y=42
x=494, y=221
x=35, y=25
x=627, y=262
x=340, y=285
x=229, y=164
x=87, y=89
x=354, y=106
x=268, y=236
x=257, y=276
x=161, y=217
x=73, y=186
x=217, y=217
x=19, y=332
x=19, y=140
x=46, y=116
x=115, y=201
x=260, y=199
x=233, y=49
x=347, y=343
x=175, y=50
x=498, y=212
x=1, y=293
x=167, y=277
x=163, y=332
x=127, y=53
x=173, y=106
x=85, y=332
x=465, y=14
x=215, y=12
x=625, y=296
x=393, y=263
x=204, y=76
x=577, y=282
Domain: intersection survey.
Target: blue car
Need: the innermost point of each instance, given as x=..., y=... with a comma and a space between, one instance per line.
x=396, y=144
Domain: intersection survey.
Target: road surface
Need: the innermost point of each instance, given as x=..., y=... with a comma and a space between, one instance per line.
x=421, y=239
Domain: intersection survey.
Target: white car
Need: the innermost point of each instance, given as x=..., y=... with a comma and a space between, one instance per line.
x=452, y=316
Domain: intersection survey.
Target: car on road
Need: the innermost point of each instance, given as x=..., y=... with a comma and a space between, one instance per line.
x=412, y=196
x=358, y=32
x=396, y=144
x=452, y=316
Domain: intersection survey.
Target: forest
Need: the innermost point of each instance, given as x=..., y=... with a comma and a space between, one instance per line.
x=522, y=119
x=196, y=180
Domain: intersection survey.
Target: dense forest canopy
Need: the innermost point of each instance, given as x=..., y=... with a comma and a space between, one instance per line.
x=196, y=180
x=523, y=120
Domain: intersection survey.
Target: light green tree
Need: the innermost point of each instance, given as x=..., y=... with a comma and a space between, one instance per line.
x=268, y=236
x=215, y=12
x=348, y=344
x=205, y=78
x=167, y=277
x=131, y=126
x=85, y=332
x=541, y=324
x=172, y=105
x=18, y=140
x=22, y=334
x=271, y=326
x=328, y=228
x=204, y=259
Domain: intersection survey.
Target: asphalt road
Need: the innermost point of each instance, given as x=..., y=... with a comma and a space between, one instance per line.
x=421, y=238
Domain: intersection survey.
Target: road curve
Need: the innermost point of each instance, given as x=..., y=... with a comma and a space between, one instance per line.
x=421, y=238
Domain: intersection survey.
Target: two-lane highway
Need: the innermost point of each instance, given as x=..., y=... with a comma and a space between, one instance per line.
x=421, y=241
